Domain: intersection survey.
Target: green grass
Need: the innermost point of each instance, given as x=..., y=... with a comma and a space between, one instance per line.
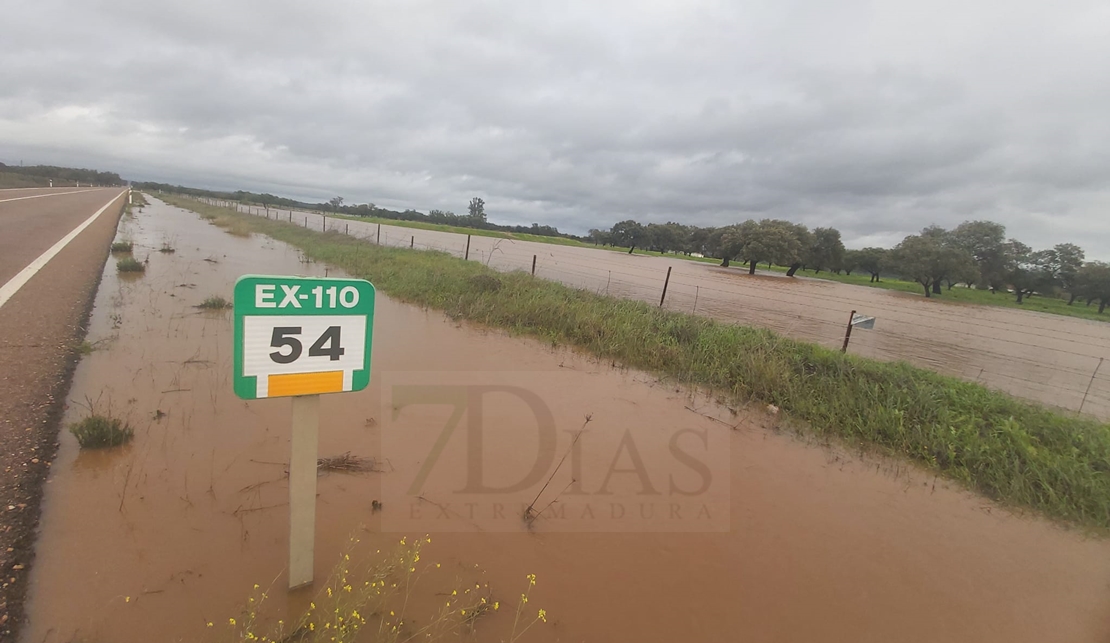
x=1007, y=449
x=122, y=246
x=130, y=265
x=100, y=432
x=214, y=303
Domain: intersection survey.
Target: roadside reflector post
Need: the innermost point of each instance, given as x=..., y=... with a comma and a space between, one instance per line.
x=665, y=282
x=302, y=489
x=467, y=256
x=301, y=337
x=533, y=265
x=848, y=332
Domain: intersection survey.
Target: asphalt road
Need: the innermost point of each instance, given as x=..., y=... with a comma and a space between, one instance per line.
x=40, y=327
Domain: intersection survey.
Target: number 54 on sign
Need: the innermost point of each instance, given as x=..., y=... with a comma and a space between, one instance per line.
x=301, y=336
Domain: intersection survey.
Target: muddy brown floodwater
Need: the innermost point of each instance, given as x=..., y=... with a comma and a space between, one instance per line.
x=672, y=519
x=1051, y=359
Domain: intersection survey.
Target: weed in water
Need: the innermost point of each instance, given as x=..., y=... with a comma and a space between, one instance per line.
x=130, y=265
x=99, y=432
x=85, y=348
x=122, y=246
x=1008, y=449
x=167, y=248
x=214, y=303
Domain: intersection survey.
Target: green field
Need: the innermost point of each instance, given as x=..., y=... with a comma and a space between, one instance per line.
x=1010, y=450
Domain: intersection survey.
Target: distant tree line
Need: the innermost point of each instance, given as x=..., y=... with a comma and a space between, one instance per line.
x=474, y=218
x=976, y=254
x=65, y=174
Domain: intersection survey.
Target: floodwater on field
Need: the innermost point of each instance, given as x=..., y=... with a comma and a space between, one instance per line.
x=1051, y=359
x=672, y=517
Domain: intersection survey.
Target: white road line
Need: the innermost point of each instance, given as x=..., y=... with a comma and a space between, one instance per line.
x=39, y=196
x=17, y=282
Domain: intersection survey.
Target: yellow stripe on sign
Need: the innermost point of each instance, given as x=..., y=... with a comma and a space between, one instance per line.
x=305, y=383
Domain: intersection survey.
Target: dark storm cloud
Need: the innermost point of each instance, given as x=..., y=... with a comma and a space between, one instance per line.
x=876, y=119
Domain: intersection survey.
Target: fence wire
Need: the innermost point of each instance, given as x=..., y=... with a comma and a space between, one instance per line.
x=1051, y=359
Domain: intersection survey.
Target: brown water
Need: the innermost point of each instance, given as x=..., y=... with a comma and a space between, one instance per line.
x=776, y=541
x=1042, y=357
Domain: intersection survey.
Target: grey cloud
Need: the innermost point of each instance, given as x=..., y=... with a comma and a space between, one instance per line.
x=877, y=119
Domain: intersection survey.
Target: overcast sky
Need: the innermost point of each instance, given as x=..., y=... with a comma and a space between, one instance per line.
x=877, y=118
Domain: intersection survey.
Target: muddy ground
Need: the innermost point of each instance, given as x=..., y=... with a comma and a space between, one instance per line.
x=673, y=517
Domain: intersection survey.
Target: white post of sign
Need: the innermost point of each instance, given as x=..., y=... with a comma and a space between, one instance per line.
x=302, y=489
x=301, y=337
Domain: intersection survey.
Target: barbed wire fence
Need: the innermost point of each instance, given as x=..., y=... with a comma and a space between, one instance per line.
x=1054, y=360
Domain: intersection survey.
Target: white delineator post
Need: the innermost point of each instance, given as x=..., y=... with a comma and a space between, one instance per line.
x=302, y=489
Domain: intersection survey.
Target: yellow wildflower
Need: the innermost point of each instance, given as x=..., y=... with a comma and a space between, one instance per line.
x=542, y=615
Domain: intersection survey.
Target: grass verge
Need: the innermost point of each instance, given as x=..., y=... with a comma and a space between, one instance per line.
x=1010, y=450
x=100, y=432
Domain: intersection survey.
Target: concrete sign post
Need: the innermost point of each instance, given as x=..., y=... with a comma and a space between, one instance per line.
x=301, y=337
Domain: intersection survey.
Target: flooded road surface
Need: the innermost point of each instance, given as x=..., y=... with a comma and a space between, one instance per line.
x=1047, y=358
x=662, y=516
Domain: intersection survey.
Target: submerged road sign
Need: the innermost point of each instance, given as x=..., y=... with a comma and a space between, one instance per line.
x=299, y=337
x=302, y=336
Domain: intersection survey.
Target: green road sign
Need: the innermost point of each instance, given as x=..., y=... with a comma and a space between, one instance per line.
x=301, y=335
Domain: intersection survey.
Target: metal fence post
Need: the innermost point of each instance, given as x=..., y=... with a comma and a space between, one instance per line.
x=848, y=333
x=665, y=282
x=1089, y=384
